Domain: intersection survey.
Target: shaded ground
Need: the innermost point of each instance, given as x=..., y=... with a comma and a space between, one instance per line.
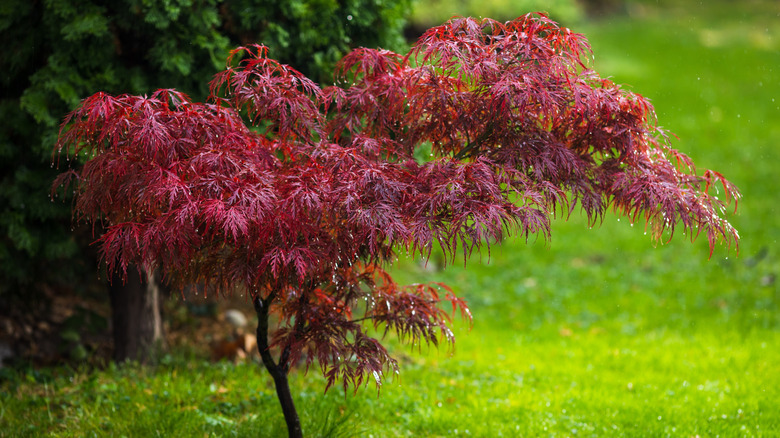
x=67, y=328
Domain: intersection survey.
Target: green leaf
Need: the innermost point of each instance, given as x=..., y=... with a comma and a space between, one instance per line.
x=84, y=26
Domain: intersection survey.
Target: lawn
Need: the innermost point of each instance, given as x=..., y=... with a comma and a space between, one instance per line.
x=599, y=332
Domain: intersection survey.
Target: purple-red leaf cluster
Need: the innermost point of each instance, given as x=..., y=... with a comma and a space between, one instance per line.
x=304, y=208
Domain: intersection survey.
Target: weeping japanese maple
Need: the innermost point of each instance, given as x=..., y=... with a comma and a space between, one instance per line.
x=304, y=209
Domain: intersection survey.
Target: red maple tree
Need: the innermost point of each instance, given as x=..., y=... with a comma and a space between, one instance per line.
x=304, y=208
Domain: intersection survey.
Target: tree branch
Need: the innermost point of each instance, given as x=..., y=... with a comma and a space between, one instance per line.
x=474, y=145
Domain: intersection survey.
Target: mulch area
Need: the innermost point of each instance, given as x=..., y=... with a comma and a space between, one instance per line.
x=67, y=328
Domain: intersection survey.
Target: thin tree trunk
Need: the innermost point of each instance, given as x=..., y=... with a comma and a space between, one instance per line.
x=277, y=371
x=136, y=316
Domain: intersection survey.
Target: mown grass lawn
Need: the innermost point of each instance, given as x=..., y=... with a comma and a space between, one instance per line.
x=596, y=333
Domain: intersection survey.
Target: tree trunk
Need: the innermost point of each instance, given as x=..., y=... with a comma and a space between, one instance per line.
x=277, y=371
x=136, y=316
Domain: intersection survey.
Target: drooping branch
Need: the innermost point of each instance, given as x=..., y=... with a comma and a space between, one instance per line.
x=521, y=96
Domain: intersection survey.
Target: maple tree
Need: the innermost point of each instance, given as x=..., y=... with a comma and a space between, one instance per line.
x=303, y=209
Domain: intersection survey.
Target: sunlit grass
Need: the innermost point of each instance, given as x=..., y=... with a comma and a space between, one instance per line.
x=600, y=332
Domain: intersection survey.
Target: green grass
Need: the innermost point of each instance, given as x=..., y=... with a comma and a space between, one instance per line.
x=596, y=333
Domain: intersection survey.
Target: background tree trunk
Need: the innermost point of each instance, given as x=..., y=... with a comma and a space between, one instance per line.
x=136, y=316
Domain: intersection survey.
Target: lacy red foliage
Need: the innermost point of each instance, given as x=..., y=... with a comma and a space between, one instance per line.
x=303, y=209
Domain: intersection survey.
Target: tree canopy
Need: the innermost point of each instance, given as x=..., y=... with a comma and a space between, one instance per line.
x=299, y=195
